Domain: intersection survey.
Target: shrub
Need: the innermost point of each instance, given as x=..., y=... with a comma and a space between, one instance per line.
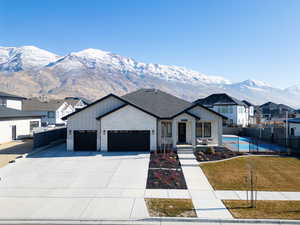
x=210, y=150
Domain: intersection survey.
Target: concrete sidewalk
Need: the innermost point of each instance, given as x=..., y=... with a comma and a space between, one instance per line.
x=206, y=204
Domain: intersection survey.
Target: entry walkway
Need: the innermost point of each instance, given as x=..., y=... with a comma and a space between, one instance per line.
x=206, y=204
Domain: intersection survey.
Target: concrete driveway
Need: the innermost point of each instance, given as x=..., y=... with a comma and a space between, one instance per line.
x=75, y=185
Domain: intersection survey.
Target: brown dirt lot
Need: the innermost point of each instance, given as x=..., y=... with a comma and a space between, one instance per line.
x=273, y=173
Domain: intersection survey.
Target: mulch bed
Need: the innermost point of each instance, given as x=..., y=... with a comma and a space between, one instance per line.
x=165, y=172
x=215, y=153
x=165, y=179
x=167, y=160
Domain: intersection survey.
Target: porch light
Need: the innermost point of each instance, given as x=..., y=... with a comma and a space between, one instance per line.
x=70, y=132
x=103, y=132
x=153, y=132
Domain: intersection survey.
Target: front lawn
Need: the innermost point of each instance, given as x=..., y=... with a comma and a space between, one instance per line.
x=273, y=173
x=159, y=207
x=264, y=209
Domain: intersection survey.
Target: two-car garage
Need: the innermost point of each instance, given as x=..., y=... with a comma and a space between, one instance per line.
x=117, y=140
x=124, y=128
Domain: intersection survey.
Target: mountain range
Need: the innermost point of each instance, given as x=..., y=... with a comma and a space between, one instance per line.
x=91, y=73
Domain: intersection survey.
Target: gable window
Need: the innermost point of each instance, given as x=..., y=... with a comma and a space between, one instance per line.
x=166, y=129
x=203, y=129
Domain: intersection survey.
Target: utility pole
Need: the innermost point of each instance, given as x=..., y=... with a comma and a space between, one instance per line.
x=286, y=128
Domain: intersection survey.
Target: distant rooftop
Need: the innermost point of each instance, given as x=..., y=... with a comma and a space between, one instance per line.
x=14, y=113
x=7, y=95
x=219, y=99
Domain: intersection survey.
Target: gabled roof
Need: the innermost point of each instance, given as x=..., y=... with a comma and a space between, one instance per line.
x=247, y=103
x=159, y=103
x=7, y=95
x=154, y=102
x=219, y=99
x=14, y=113
x=35, y=104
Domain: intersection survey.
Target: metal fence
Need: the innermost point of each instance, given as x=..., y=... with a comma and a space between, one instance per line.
x=276, y=136
x=46, y=137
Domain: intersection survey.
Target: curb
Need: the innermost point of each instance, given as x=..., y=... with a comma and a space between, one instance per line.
x=154, y=220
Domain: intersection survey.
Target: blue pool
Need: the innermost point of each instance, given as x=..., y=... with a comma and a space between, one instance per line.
x=244, y=144
x=236, y=139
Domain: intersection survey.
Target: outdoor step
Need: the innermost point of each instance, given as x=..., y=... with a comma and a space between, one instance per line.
x=185, y=151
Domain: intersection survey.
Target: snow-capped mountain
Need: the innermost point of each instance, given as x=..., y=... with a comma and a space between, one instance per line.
x=13, y=59
x=95, y=59
x=295, y=89
x=92, y=73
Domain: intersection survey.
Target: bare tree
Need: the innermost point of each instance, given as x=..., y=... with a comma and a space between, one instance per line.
x=251, y=184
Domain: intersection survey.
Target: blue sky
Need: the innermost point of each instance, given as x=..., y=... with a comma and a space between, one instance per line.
x=237, y=39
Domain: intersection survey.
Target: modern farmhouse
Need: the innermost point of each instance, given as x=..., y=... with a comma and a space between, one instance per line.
x=143, y=120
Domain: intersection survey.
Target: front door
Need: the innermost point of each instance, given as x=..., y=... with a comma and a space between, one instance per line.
x=181, y=132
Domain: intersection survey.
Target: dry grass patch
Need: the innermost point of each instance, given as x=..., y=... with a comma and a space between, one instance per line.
x=159, y=207
x=273, y=173
x=264, y=209
x=4, y=159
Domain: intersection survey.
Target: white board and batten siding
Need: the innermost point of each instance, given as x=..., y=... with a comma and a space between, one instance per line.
x=129, y=118
x=86, y=119
x=216, y=122
x=22, y=128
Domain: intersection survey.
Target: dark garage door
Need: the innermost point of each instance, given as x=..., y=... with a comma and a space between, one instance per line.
x=129, y=140
x=85, y=140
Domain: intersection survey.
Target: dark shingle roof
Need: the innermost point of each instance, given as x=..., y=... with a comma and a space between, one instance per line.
x=152, y=101
x=219, y=99
x=7, y=95
x=159, y=103
x=14, y=113
x=247, y=103
x=35, y=104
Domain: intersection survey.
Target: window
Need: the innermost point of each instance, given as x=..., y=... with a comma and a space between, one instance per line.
x=207, y=129
x=51, y=114
x=166, y=129
x=203, y=129
x=199, y=129
x=34, y=124
x=3, y=102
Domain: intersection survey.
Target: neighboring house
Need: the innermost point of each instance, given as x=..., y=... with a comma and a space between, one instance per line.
x=143, y=120
x=11, y=101
x=294, y=126
x=53, y=110
x=251, y=112
x=15, y=124
x=235, y=110
x=271, y=110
